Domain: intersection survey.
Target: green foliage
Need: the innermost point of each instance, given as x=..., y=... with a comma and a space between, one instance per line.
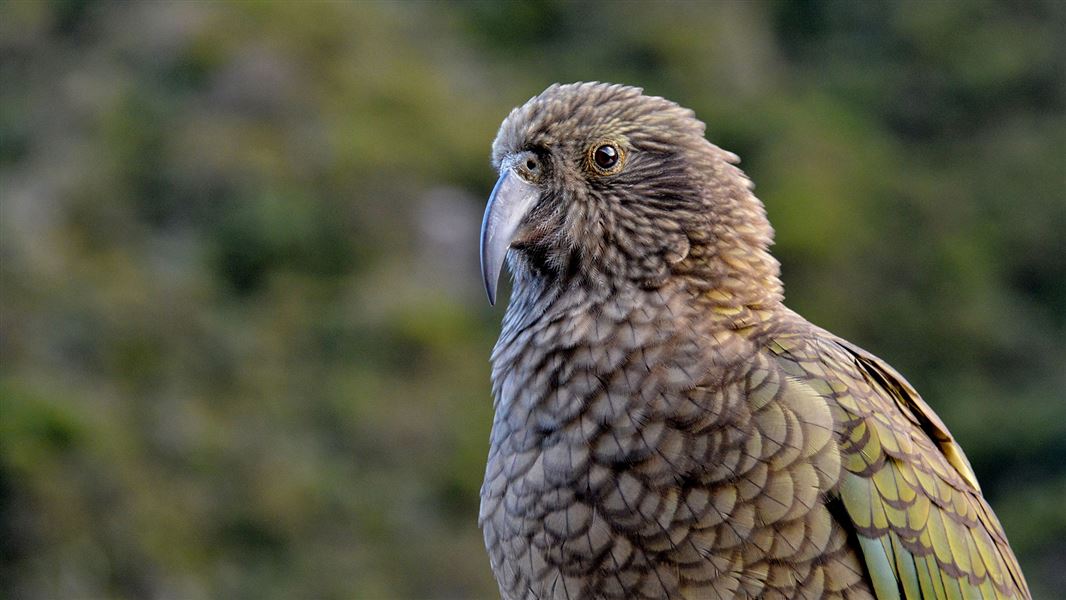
x=242, y=340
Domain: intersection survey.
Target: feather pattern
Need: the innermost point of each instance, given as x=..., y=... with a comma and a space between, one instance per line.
x=908, y=489
x=665, y=427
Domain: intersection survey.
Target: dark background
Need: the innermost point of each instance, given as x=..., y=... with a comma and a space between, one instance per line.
x=243, y=337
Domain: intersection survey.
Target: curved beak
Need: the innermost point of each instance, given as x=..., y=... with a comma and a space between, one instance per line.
x=511, y=199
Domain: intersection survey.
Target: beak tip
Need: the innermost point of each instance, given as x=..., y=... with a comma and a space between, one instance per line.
x=490, y=281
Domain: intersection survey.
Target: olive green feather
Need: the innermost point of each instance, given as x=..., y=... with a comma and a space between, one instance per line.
x=911, y=495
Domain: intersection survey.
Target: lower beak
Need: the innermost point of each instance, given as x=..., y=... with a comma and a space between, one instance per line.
x=511, y=199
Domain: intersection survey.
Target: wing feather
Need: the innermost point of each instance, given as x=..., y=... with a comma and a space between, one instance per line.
x=911, y=495
x=906, y=570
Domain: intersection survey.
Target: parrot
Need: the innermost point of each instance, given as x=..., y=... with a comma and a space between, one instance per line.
x=664, y=426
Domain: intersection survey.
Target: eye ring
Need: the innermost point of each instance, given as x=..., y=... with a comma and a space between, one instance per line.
x=606, y=158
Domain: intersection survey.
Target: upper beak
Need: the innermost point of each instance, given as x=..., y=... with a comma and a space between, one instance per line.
x=511, y=199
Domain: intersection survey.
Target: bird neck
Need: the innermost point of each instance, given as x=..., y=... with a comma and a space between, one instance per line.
x=729, y=261
x=727, y=274
x=730, y=269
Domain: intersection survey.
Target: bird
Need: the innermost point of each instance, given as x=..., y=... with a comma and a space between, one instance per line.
x=664, y=426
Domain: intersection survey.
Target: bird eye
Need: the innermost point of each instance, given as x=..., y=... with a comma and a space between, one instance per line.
x=605, y=157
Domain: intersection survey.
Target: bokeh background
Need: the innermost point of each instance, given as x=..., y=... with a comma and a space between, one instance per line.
x=243, y=338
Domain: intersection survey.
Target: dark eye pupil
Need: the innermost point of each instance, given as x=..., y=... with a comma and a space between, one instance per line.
x=605, y=157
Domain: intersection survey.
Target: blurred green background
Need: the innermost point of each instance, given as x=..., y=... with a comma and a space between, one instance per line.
x=243, y=337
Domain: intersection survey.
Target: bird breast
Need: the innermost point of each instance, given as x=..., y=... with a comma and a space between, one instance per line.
x=596, y=406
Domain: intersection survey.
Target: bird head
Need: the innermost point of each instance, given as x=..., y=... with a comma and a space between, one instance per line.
x=600, y=184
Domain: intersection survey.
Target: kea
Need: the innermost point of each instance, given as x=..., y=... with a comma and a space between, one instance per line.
x=665, y=427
